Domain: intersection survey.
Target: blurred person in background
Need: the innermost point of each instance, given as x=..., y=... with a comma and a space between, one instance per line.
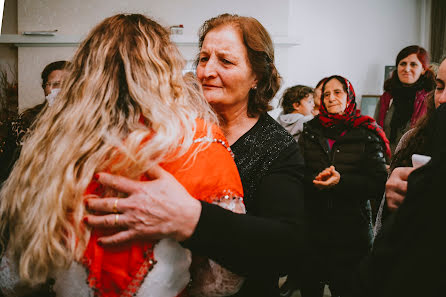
x=298, y=105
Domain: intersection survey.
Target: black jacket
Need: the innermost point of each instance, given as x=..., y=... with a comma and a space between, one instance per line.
x=408, y=256
x=15, y=131
x=261, y=244
x=339, y=229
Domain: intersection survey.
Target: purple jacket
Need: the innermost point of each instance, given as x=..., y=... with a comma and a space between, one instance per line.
x=419, y=107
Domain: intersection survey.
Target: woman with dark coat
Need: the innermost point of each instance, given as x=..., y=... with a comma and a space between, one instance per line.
x=408, y=256
x=414, y=141
x=345, y=156
x=408, y=248
x=403, y=102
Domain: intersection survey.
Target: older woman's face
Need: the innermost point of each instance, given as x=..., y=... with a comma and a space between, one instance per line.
x=410, y=69
x=224, y=70
x=440, y=94
x=335, y=98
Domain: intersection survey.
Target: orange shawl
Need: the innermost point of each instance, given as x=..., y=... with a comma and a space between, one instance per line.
x=211, y=175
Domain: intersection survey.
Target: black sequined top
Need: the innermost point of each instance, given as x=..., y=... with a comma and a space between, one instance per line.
x=262, y=244
x=256, y=150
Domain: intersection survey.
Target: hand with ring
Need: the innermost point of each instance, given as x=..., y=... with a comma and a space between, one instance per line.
x=152, y=210
x=115, y=206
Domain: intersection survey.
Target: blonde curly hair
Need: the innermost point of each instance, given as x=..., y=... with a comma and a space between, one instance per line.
x=124, y=73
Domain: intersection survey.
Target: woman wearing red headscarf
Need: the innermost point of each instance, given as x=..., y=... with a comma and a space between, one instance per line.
x=345, y=155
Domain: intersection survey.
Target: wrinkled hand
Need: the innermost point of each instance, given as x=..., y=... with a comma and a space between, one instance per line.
x=396, y=187
x=327, y=178
x=153, y=209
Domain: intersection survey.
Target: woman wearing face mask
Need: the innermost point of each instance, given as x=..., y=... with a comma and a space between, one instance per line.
x=345, y=168
x=403, y=101
x=52, y=78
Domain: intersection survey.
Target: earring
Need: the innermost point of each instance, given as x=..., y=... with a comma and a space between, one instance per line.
x=255, y=87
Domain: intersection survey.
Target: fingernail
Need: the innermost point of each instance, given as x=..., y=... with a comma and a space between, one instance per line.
x=96, y=176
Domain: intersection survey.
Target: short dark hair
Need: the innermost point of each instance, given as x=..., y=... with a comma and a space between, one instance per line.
x=58, y=65
x=260, y=55
x=293, y=95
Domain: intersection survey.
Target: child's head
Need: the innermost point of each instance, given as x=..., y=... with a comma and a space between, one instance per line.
x=298, y=99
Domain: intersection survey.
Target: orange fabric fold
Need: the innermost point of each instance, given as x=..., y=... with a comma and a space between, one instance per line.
x=207, y=176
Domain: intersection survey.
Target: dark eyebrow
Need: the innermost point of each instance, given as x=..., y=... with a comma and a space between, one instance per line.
x=227, y=55
x=203, y=51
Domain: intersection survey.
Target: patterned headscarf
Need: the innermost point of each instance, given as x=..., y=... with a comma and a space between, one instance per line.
x=351, y=118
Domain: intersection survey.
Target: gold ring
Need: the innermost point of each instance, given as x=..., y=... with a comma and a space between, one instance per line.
x=115, y=206
x=116, y=218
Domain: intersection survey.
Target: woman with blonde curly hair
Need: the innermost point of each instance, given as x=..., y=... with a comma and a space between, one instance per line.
x=125, y=108
x=236, y=70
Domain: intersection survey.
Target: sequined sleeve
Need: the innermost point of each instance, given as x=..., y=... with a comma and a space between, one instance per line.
x=215, y=180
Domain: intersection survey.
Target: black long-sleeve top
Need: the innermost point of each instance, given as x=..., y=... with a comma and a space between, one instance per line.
x=261, y=244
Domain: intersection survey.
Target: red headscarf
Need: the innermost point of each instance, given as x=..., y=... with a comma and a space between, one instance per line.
x=351, y=118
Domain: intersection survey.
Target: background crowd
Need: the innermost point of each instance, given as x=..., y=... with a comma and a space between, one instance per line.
x=134, y=179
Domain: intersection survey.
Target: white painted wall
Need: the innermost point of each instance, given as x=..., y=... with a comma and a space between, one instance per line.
x=78, y=17
x=354, y=38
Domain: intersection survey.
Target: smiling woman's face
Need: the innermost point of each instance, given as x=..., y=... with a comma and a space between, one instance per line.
x=410, y=69
x=224, y=70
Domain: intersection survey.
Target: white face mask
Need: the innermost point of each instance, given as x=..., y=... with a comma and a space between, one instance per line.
x=51, y=97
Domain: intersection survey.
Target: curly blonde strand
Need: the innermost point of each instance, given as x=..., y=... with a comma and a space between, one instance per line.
x=124, y=71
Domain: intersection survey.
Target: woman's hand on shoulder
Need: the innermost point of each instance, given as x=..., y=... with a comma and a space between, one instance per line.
x=155, y=209
x=327, y=178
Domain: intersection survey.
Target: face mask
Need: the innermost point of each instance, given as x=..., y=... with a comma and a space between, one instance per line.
x=51, y=97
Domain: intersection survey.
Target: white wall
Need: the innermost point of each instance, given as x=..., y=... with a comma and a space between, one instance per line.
x=78, y=17
x=354, y=38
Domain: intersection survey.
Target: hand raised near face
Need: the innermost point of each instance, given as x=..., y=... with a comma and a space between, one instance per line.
x=327, y=178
